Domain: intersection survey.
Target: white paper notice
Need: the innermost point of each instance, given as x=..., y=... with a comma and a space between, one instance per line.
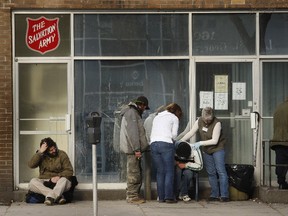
x=239, y=91
x=206, y=99
x=221, y=101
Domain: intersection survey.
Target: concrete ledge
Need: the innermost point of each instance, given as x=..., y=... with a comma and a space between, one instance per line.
x=272, y=195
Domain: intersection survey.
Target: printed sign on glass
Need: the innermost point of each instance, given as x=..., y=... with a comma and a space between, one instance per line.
x=42, y=34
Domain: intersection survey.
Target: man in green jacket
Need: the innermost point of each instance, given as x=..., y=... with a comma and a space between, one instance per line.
x=133, y=143
x=55, y=170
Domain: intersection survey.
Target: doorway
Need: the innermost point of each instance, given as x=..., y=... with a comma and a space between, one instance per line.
x=43, y=109
x=227, y=87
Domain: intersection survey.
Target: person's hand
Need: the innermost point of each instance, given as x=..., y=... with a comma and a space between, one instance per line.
x=196, y=145
x=43, y=148
x=181, y=165
x=138, y=154
x=55, y=179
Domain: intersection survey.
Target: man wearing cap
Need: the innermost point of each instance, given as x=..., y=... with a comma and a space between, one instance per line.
x=133, y=142
x=187, y=162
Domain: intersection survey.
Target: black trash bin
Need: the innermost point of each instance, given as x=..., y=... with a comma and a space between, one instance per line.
x=241, y=181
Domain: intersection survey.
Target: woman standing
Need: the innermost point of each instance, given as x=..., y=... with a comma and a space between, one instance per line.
x=213, y=141
x=164, y=131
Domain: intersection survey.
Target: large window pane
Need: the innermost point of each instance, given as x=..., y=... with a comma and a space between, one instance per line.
x=274, y=33
x=104, y=86
x=131, y=35
x=223, y=34
x=275, y=91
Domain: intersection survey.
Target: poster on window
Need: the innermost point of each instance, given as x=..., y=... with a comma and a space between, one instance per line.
x=239, y=91
x=221, y=83
x=221, y=92
x=221, y=101
x=206, y=99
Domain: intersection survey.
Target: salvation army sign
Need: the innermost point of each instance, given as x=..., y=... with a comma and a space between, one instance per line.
x=42, y=34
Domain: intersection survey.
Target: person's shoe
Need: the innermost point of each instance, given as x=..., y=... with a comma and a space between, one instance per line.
x=135, y=200
x=49, y=201
x=224, y=199
x=170, y=201
x=283, y=186
x=61, y=200
x=185, y=198
x=213, y=199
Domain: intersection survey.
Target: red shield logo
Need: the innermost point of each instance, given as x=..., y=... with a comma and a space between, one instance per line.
x=42, y=34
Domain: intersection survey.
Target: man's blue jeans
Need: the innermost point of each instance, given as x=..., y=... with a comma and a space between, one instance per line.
x=163, y=159
x=184, y=178
x=215, y=165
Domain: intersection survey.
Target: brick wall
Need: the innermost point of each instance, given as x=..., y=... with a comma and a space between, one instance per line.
x=6, y=97
x=6, y=118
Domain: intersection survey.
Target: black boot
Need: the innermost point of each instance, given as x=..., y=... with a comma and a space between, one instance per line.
x=283, y=186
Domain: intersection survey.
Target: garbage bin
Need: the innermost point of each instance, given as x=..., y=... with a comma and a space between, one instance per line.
x=241, y=181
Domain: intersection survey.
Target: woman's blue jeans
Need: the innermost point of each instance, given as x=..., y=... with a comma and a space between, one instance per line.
x=215, y=167
x=163, y=159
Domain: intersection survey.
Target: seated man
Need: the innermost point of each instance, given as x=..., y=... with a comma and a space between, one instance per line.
x=186, y=162
x=55, y=172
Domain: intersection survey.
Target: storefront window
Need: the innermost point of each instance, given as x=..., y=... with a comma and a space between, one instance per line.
x=131, y=35
x=273, y=33
x=223, y=34
x=42, y=35
x=104, y=86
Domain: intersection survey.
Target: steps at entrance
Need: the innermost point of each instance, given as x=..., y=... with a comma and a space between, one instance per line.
x=265, y=194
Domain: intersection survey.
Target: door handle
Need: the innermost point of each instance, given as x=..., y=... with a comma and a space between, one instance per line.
x=68, y=122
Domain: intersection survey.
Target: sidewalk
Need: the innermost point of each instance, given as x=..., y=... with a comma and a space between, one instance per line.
x=151, y=208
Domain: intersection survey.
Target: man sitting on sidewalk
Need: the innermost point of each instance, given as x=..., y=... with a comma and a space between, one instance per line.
x=55, y=172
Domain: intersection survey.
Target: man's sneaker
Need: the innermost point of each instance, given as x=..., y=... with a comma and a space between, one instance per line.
x=185, y=198
x=61, y=200
x=135, y=200
x=49, y=201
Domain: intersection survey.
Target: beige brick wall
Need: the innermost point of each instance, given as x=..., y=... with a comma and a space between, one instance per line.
x=6, y=97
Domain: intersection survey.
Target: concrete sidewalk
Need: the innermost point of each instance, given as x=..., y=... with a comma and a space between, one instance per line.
x=150, y=208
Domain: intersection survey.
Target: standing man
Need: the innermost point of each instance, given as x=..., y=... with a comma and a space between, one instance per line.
x=55, y=169
x=280, y=142
x=133, y=142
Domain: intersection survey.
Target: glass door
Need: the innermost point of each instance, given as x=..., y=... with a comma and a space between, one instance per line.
x=42, y=110
x=227, y=87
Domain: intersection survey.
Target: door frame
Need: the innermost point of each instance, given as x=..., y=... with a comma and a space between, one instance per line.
x=70, y=109
x=256, y=99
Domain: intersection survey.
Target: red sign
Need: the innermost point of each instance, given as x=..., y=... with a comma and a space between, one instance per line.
x=42, y=34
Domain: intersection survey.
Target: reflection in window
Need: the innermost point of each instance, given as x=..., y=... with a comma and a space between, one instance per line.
x=223, y=34
x=104, y=86
x=273, y=33
x=275, y=91
x=131, y=35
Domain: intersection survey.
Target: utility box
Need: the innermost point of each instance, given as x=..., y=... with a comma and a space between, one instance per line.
x=93, y=122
